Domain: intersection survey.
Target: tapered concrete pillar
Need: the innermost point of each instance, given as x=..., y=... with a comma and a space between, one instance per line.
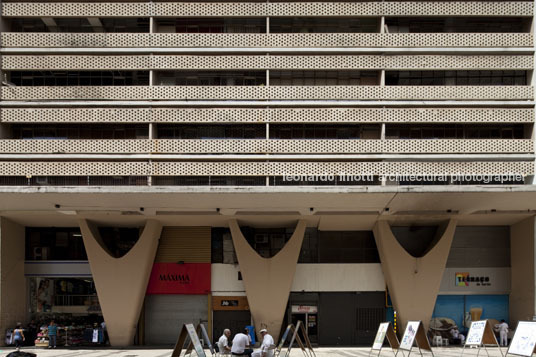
x=413, y=282
x=121, y=282
x=268, y=280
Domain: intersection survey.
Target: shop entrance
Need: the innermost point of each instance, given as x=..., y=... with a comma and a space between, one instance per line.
x=308, y=315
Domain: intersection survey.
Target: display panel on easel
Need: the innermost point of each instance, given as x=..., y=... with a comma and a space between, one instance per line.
x=524, y=341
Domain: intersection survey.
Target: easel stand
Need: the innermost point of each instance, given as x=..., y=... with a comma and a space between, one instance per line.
x=414, y=334
x=188, y=330
x=385, y=330
x=201, y=332
x=481, y=334
x=295, y=336
x=307, y=352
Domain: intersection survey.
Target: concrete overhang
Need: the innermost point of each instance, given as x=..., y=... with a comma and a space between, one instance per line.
x=328, y=208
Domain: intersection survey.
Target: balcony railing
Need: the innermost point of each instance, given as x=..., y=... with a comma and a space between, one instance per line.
x=248, y=40
x=462, y=93
x=267, y=146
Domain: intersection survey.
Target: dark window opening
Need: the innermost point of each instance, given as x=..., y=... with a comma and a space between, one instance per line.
x=456, y=78
x=77, y=131
x=455, y=131
x=119, y=241
x=210, y=131
x=324, y=131
x=81, y=25
x=50, y=243
x=458, y=24
x=212, y=25
x=324, y=78
x=323, y=25
x=210, y=78
x=79, y=78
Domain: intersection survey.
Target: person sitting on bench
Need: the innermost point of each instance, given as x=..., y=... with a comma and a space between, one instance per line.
x=267, y=347
x=240, y=342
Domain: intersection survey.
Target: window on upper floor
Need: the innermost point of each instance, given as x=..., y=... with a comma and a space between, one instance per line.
x=324, y=78
x=211, y=131
x=456, y=78
x=80, y=25
x=78, y=131
x=211, y=25
x=457, y=24
x=456, y=131
x=210, y=78
x=79, y=78
x=324, y=131
x=324, y=25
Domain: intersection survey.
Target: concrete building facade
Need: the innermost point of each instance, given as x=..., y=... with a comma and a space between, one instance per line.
x=259, y=163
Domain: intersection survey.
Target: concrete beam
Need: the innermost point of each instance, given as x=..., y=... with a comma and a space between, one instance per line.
x=273, y=50
x=271, y=103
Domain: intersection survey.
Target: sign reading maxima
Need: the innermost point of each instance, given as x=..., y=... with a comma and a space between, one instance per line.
x=173, y=278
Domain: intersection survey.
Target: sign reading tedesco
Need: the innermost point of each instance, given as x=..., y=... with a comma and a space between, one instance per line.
x=172, y=278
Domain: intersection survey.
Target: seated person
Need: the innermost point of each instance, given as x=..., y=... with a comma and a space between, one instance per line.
x=267, y=345
x=240, y=342
x=223, y=342
x=457, y=337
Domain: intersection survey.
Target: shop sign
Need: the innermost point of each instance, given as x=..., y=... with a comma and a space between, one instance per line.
x=302, y=309
x=172, y=278
x=465, y=279
x=230, y=303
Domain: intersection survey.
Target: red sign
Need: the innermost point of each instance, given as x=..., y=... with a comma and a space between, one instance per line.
x=172, y=278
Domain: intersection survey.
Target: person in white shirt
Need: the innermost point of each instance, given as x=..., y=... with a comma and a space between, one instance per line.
x=503, y=332
x=267, y=342
x=240, y=342
x=223, y=342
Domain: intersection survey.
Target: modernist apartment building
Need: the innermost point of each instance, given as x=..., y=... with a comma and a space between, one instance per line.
x=259, y=163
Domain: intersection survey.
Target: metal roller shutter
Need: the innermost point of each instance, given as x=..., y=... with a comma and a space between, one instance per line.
x=165, y=315
x=187, y=244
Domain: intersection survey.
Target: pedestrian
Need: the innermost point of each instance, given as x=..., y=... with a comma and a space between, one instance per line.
x=18, y=337
x=52, y=334
x=240, y=342
x=503, y=332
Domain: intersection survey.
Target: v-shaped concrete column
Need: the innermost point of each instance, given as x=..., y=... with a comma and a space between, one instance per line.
x=268, y=281
x=121, y=282
x=413, y=282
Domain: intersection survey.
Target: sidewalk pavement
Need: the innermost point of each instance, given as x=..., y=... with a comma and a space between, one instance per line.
x=296, y=352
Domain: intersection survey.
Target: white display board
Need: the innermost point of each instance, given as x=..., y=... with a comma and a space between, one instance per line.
x=524, y=339
x=380, y=336
x=476, y=332
x=409, y=335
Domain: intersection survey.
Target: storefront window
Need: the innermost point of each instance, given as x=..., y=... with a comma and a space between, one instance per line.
x=63, y=295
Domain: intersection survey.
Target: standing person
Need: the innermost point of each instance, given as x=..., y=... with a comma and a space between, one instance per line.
x=223, y=342
x=52, y=334
x=32, y=332
x=240, y=342
x=104, y=332
x=503, y=332
x=18, y=336
x=266, y=349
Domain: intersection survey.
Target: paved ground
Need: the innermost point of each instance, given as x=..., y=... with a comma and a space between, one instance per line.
x=320, y=352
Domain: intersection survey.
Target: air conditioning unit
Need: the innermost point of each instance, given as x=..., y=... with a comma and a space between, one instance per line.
x=40, y=253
